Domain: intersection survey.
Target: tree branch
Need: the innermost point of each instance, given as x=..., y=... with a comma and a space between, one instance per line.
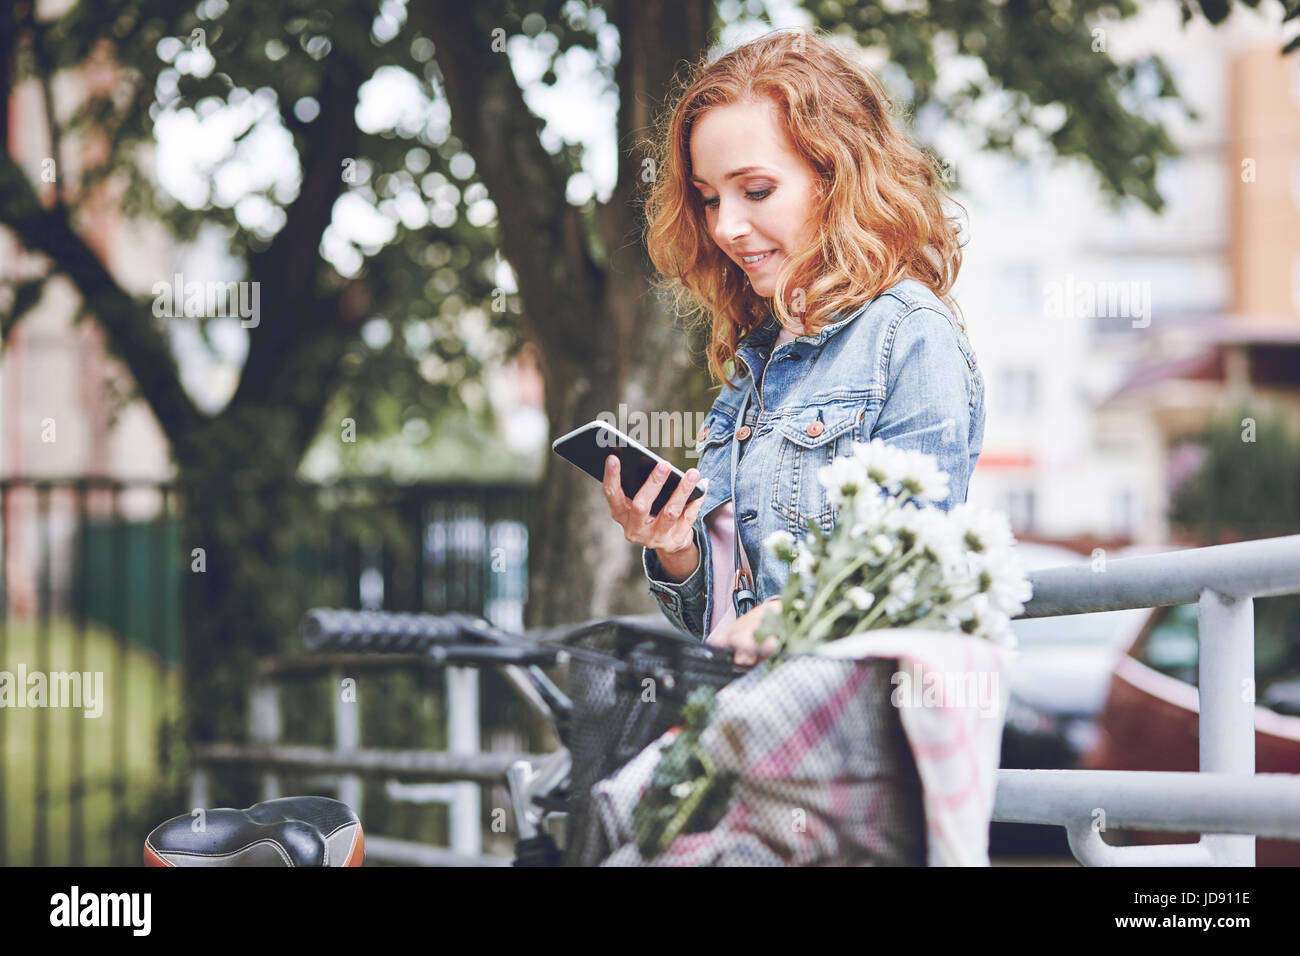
x=644, y=75
x=287, y=270
x=128, y=322
x=129, y=325
x=540, y=233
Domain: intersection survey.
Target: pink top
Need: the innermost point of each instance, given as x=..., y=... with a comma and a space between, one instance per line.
x=721, y=525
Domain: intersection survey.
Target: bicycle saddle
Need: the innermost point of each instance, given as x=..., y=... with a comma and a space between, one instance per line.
x=291, y=831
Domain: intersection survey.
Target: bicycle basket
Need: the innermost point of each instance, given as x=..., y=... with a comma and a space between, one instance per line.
x=819, y=773
x=628, y=683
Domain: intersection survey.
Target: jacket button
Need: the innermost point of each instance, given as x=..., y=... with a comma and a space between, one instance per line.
x=815, y=429
x=704, y=430
x=742, y=432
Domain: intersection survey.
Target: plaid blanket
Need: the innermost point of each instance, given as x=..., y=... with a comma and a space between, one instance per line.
x=819, y=763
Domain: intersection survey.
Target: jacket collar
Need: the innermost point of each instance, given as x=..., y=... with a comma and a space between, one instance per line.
x=755, y=345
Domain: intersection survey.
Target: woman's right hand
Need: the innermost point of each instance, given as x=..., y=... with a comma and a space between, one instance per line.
x=669, y=532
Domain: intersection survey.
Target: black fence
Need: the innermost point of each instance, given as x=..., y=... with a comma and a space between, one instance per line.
x=92, y=578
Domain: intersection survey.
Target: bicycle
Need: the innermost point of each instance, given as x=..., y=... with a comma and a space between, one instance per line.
x=608, y=715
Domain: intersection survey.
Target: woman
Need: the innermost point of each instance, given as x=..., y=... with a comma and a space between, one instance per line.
x=809, y=231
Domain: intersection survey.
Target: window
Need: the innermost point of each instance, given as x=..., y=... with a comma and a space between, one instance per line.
x=1020, y=286
x=1125, y=512
x=1172, y=646
x=1277, y=650
x=1020, y=509
x=1020, y=391
x=1171, y=181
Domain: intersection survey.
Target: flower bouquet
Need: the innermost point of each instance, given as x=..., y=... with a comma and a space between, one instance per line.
x=889, y=563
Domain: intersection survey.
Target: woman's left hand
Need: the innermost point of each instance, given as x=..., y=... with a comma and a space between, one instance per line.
x=740, y=635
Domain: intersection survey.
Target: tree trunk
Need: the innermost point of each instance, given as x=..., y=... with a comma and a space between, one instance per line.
x=245, y=509
x=581, y=565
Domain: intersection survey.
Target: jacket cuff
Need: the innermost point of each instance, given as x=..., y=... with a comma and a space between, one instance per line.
x=682, y=602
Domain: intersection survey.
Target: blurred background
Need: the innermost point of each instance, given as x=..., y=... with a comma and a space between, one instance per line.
x=424, y=220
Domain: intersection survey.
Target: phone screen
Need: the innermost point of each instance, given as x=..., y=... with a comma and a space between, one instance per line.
x=589, y=448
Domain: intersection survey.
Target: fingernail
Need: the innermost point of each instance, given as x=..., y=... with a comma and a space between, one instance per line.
x=661, y=469
x=692, y=475
x=611, y=461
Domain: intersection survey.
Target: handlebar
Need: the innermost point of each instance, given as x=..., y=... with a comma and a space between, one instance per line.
x=462, y=655
x=454, y=639
x=385, y=632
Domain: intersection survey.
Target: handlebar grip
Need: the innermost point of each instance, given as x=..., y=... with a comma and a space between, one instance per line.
x=523, y=656
x=325, y=629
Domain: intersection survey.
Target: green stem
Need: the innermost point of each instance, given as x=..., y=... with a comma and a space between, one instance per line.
x=890, y=569
x=828, y=589
x=824, y=624
x=817, y=626
x=824, y=594
x=686, y=811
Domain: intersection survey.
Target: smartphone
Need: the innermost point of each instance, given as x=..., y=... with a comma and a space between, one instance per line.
x=589, y=446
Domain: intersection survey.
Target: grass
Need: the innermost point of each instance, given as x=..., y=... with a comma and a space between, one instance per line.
x=121, y=746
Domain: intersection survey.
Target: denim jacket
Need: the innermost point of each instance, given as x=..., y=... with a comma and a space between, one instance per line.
x=898, y=368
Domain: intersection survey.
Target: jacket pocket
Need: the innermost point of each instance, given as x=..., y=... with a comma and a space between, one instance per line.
x=811, y=438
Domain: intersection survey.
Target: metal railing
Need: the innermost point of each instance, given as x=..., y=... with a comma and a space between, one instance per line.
x=461, y=769
x=1226, y=802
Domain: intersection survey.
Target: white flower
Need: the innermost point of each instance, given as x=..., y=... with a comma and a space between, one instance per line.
x=842, y=478
x=980, y=617
x=1001, y=577
x=982, y=528
x=869, y=510
x=883, y=544
x=805, y=562
x=900, y=519
x=902, y=592
x=964, y=615
x=860, y=597
x=996, y=627
x=781, y=544
x=923, y=477
x=886, y=466
x=904, y=580
x=936, y=533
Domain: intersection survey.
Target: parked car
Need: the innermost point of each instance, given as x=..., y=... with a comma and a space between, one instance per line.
x=1151, y=715
x=1060, y=684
